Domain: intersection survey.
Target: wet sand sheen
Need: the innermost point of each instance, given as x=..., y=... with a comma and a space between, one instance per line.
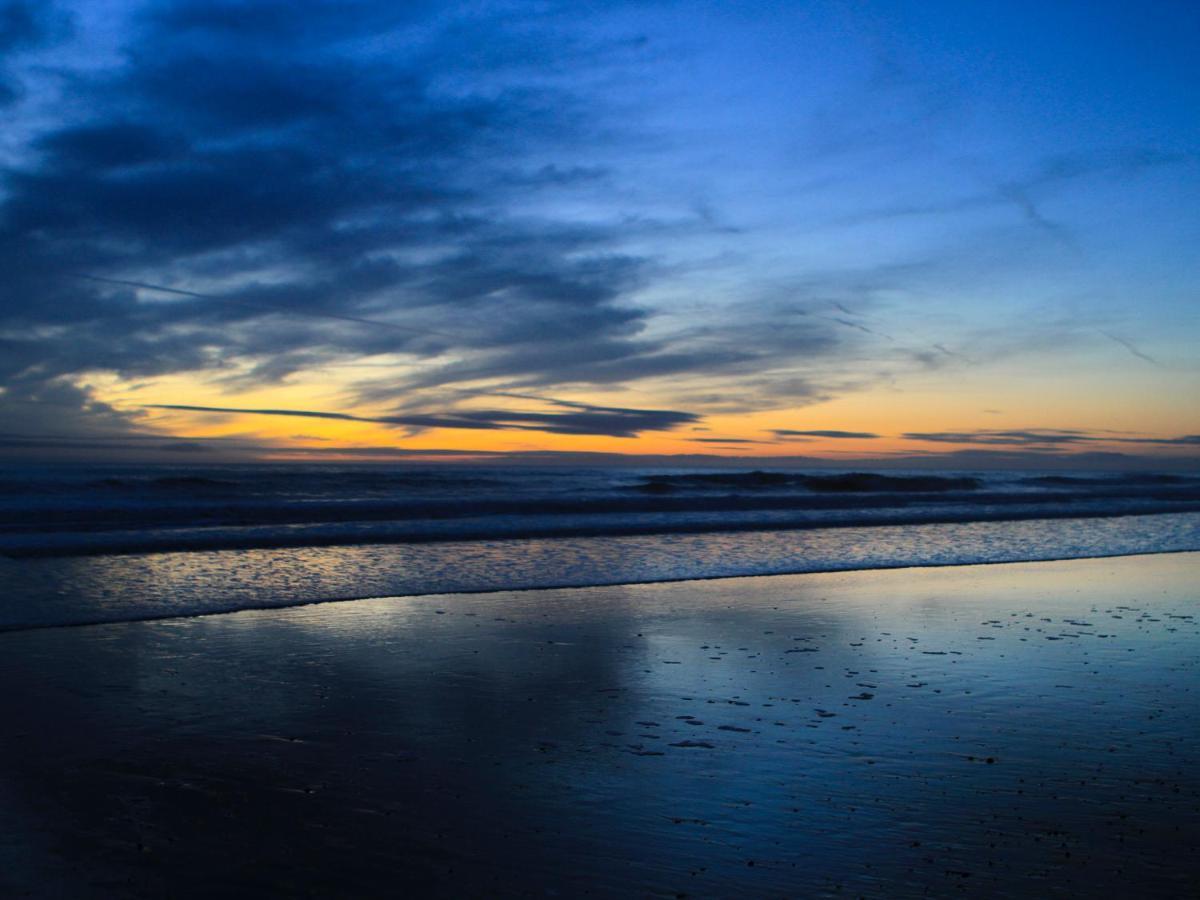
x=1024, y=729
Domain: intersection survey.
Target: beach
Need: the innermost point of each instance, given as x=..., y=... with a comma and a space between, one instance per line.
x=543, y=449
x=1010, y=730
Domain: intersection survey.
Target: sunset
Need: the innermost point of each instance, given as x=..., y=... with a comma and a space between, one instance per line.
x=741, y=224
x=432, y=435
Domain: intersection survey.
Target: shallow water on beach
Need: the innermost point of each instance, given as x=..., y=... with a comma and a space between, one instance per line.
x=82, y=589
x=1024, y=730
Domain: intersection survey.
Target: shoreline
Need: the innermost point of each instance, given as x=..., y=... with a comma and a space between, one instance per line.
x=302, y=604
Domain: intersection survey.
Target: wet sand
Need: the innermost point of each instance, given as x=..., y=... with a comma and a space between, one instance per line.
x=1006, y=730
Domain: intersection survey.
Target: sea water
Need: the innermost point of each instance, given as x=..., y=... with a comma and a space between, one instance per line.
x=89, y=545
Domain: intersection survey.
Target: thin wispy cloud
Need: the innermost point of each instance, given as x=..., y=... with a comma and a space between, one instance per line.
x=717, y=440
x=824, y=433
x=1044, y=438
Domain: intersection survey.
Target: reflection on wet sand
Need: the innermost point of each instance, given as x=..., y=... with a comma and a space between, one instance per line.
x=1023, y=729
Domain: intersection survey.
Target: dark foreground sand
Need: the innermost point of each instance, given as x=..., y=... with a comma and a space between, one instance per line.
x=1021, y=730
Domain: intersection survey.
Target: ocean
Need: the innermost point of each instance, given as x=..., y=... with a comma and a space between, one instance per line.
x=125, y=543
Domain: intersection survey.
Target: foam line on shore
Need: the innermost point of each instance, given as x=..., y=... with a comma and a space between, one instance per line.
x=240, y=607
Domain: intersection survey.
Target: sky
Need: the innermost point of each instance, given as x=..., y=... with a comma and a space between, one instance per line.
x=957, y=233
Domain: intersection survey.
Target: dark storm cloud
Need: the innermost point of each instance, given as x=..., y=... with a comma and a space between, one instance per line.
x=569, y=418
x=788, y=432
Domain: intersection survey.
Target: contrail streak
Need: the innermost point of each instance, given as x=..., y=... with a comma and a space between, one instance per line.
x=274, y=307
x=1128, y=345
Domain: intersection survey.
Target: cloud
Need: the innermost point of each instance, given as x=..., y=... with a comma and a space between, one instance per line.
x=34, y=406
x=25, y=26
x=825, y=433
x=1045, y=438
x=713, y=440
x=567, y=418
x=249, y=189
x=1014, y=437
x=260, y=304
x=244, y=193
x=1186, y=440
